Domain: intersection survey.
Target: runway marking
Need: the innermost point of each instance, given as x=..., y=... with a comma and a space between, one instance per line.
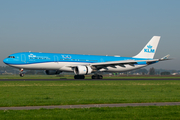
x=89, y=106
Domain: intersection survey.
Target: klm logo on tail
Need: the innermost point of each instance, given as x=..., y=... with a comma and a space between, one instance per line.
x=149, y=49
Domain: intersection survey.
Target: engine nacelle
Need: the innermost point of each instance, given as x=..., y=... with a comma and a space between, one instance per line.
x=52, y=72
x=82, y=70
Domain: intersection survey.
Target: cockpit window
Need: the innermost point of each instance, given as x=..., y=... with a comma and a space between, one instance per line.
x=11, y=57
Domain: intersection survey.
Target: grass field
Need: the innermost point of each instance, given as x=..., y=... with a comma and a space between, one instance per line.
x=137, y=113
x=36, y=93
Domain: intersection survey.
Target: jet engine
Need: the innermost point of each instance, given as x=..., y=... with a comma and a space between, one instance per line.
x=82, y=70
x=52, y=72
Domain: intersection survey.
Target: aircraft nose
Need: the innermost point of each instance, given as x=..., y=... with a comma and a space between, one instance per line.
x=5, y=61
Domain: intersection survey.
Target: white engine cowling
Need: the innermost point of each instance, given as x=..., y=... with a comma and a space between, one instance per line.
x=52, y=72
x=82, y=70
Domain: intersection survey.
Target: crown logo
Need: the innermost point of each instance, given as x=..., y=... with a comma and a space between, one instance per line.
x=31, y=55
x=149, y=46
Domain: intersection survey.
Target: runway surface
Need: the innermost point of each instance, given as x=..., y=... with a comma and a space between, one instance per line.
x=87, y=79
x=89, y=106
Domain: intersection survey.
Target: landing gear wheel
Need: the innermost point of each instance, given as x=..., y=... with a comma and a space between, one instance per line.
x=82, y=76
x=21, y=74
x=100, y=77
x=93, y=77
x=79, y=77
x=97, y=77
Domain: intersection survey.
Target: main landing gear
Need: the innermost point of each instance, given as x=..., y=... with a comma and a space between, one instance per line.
x=93, y=77
x=79, y=77
x=21, y=73
x=97, y=77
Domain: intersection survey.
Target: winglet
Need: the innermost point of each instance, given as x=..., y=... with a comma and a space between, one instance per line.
x=150, y=49
x=165, y=58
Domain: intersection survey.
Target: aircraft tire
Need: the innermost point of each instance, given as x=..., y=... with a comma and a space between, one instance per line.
x=100, y=77
x=82, y=76
x=93, y=77
x=97, y=77
x=21, y=75
x=79, y=77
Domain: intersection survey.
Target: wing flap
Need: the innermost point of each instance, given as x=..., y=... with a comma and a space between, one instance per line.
x=121, y=63
x=113, y=64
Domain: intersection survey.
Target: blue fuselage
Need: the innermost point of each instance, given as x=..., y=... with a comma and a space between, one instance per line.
x=59, y=61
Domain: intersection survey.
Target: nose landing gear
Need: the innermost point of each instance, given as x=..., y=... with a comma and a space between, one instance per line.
x=21, y=74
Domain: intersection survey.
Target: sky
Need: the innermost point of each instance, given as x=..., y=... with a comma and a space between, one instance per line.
x=96, y=27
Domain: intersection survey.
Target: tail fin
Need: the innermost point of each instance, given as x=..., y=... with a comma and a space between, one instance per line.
x=150, y=49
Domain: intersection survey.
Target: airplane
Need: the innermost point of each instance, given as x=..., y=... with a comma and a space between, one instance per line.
x=81, y=65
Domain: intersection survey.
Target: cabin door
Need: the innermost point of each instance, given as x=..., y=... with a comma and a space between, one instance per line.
x=23, y=58
x=56, y=59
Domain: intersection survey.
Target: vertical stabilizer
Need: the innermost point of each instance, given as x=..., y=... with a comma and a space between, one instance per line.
x=150, y=49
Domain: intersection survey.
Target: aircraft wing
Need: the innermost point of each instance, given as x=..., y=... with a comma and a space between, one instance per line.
x=113, y=64
x=126, y=62
x=120, y=63
x=101, y=65
x=108, y=64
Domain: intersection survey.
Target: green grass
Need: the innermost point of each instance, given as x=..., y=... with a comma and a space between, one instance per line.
x=36, y=93
x=137, y=113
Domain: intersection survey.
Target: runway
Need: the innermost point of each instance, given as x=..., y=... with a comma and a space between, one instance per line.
x=88, y=79
x=89, y=106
